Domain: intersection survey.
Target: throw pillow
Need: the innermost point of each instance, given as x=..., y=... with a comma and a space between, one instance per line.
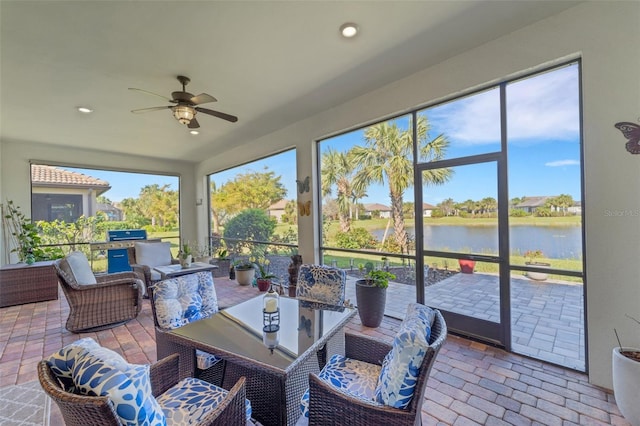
x=319, y=283
x=153, y=254
x=181, y=300
x=81, y=268
x=128, y=386
x=401, y=366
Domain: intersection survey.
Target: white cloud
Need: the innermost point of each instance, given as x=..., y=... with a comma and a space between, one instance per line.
x=560, y=163
x=541, y=108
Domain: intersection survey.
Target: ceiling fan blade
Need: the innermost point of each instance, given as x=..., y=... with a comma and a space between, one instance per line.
x=193, y=124
x=231, y=118
x=141, y=110
x=202, y=98
x=151, y=93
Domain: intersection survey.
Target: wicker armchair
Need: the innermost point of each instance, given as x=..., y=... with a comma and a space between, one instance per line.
x=329, y=405
x=84, y=410
x=113, y=300
x=157, y=255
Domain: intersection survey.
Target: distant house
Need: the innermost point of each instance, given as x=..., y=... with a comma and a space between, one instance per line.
x=112, y=212
x=427, y=209
x=383, y=211
x=576, y=208
x=531, y=204
x=277, y=209
x=60, y=194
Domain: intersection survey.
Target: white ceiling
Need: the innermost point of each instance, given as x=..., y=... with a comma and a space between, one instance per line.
x=269, y=63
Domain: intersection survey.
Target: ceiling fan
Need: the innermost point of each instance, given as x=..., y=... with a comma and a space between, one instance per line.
x=186, y=106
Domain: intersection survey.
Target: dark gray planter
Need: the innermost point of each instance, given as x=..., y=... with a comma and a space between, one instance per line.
x=371, y=301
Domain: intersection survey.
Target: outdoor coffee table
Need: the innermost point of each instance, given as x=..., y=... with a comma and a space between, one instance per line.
x=276, y=365
x=171, y=271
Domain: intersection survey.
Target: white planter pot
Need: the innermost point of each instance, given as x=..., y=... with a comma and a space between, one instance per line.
x=245, y=277
x=626, y=385
x=537, y=276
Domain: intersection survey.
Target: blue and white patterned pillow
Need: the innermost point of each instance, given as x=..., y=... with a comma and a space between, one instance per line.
x=190, y=399
x=358, y=378
x=401, y=366
x=419, y=312
x=127, y=385
x=181, y=300
x=62, y=361
x=319, y=283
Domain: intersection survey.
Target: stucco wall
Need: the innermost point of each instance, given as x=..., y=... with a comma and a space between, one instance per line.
x=606, y=35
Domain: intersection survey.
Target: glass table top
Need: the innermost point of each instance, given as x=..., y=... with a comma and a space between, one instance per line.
x=240, y=330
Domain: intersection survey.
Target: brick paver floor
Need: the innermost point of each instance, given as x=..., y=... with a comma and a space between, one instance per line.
x=471, y=383
x=547, y=317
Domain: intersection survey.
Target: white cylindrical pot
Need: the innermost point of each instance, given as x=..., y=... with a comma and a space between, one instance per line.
x=626, y=385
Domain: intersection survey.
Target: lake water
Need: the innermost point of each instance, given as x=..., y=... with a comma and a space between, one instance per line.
x=555, y=242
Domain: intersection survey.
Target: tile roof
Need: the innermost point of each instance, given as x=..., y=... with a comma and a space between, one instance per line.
x=376, y=206
x=54, y=176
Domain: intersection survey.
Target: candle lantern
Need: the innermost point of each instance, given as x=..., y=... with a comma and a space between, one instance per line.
x=271, y=339
x=271, y=311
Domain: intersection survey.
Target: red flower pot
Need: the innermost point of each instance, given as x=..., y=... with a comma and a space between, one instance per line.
x=466, y=265
x=263, y=285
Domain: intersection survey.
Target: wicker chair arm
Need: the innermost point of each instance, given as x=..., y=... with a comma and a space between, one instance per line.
x=77, y=409
x=231, y=410
x=143, y=270
x=330, y=405
x=367, y=349
x=164, y=374
x=117, y=276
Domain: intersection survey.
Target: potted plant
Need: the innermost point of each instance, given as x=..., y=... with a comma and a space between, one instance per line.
x=264, y=277
x=371, y=296
x=224, y=263
x=245, y=270
x=24, y=233
x=532, y=255
x=466, y=265
x=626, y=380
x=185, y=255
x=202, y=253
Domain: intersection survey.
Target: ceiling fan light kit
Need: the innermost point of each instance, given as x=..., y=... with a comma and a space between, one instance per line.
x=183, y=114
x=185, y=108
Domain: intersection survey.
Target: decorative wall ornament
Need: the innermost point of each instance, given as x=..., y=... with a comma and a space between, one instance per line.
x=303, y=185
x=304, y=208
x=630, y=131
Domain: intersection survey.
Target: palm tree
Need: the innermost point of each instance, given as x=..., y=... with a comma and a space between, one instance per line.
x=387, y=155
x=338, y=170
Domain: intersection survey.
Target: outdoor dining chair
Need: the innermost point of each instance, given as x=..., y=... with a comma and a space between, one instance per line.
x=176, y=302
x=94, y=386
x=377, y=383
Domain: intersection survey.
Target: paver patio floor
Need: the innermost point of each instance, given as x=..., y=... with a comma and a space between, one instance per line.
x=547, y=317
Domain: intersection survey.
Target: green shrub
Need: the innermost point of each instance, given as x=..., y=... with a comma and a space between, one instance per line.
x=251, y=224
x=357, y=238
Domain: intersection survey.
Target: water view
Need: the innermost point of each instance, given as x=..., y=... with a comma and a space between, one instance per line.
x=555, y=242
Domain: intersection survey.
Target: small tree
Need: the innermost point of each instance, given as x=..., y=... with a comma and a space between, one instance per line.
x=251, y=224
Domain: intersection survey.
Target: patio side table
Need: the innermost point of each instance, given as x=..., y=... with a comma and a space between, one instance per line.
x=21, y=283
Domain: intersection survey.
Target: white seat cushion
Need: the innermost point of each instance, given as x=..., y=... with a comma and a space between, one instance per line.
x=81, y=268
x=153, y=254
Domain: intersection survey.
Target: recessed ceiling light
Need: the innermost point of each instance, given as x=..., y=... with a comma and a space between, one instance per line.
x=349, y=30
x=194, y=132
x=85, y=110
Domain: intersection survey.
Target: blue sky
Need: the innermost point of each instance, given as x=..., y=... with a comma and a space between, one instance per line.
x=543, y=133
